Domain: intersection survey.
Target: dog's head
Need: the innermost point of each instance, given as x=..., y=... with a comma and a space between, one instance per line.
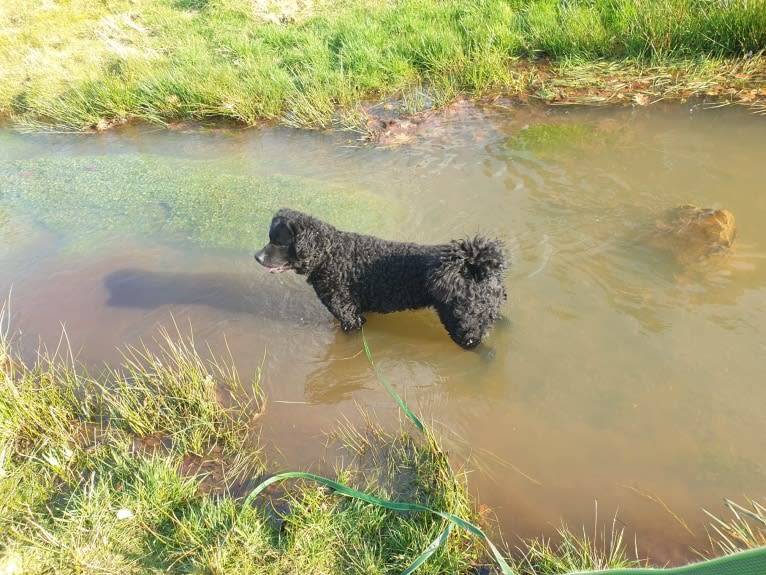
x=469, y=288
x=278, y=253
x=295, y=243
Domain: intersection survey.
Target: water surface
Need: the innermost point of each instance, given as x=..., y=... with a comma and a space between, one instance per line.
x=618, y=380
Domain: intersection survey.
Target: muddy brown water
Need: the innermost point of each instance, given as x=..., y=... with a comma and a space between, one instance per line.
x=618, y=380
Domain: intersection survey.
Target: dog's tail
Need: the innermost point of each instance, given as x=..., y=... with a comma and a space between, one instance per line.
x=467, y=264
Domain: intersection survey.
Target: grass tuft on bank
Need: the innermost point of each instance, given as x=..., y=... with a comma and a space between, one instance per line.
x=744, y=528
x=82, y=65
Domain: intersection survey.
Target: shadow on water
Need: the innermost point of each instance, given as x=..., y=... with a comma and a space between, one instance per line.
x=146, y=289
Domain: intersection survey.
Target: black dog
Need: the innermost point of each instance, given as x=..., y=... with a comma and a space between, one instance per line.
x=353, y=273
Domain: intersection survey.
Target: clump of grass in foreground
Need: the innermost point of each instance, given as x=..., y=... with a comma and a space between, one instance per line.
x=576, y=553
x=81, y=490
x=334, y=531
x=398, y=467
x=745, y=529
x=84, y=65
x=174, y=393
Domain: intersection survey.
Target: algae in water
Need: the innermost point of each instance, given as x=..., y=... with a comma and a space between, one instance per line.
x=548, y=140
x=91, y=199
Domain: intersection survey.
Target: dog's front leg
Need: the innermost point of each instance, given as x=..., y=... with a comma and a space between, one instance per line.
x=353, y=324
x=345, y=311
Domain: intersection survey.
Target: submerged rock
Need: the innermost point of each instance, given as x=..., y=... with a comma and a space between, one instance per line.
x=691, y=234
x=394, y=132
x=462, y=121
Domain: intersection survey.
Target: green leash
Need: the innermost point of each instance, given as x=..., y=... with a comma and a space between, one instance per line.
x=391, y=391
x=452, y=520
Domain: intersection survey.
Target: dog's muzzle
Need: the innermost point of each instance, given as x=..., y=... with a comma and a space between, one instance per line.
x=261, y=259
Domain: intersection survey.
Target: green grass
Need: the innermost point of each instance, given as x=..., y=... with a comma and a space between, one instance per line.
x=79, y=65
x=577, y=553
x=745, y=528
x=176, y=394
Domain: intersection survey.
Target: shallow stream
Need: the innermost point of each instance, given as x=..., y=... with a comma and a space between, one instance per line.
x=620, y=380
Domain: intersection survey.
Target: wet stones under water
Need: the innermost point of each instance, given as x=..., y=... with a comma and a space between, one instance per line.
x=692, y=234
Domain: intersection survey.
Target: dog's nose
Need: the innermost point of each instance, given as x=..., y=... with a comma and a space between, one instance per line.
x=259, y=256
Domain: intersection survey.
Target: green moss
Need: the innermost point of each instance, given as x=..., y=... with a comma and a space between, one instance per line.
x=546, y=140
x=90, y=199
x=8, y=229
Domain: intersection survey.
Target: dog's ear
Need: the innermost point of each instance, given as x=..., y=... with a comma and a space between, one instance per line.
x=293, y=226
x=283, y=231
x=467, y=266
x=311, y=241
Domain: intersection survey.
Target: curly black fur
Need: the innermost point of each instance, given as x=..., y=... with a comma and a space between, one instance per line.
x=353, y=273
